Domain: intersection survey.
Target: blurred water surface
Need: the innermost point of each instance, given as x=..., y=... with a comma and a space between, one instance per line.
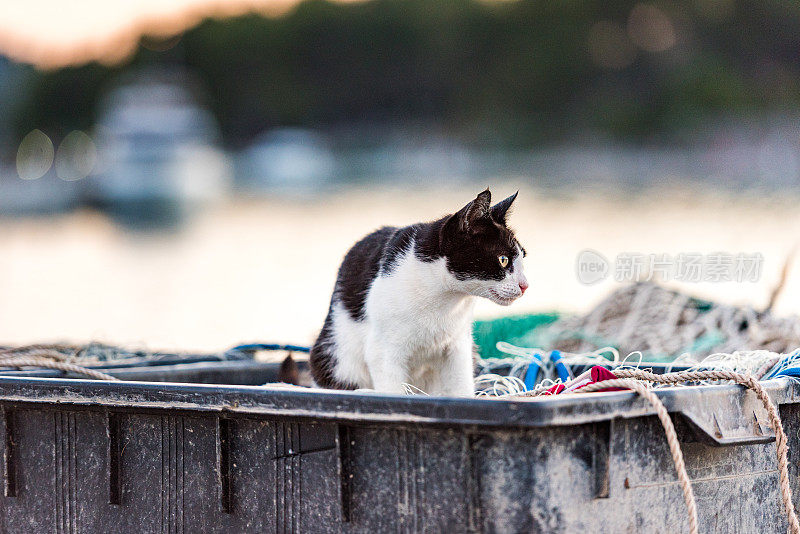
x=262, y=269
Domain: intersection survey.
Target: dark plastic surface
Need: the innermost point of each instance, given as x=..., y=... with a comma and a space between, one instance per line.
x=140, y=457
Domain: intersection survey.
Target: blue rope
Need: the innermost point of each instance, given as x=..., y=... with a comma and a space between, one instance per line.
x=532, y=373
x=789, y=366
x=563, y=371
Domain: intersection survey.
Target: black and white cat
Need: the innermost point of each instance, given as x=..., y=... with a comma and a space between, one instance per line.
x=401, y=310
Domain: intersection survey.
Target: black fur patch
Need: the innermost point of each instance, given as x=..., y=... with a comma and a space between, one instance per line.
x=359, y=269
x=473, y=251
x=322, y=360
x=472, y=240
x=396, y=246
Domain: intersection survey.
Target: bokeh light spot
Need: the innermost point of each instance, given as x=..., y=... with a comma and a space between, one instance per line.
x=651, y=29
x=609, y=45
x=76, y=156
x=34, y=156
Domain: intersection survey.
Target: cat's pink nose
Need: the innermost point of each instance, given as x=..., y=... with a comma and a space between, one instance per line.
x=523, y=285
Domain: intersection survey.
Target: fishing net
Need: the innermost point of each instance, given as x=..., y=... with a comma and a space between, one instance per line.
x=663, y=324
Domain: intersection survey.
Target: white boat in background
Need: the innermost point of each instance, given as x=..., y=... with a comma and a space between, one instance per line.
x=157, y=152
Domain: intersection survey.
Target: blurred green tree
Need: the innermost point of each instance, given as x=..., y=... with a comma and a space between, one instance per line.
x=511, y=73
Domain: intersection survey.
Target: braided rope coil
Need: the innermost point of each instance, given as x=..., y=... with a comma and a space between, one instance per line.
x=748, y=381
x=47, y=357
x=637, y=380
x=672, y=438
x=47, y=363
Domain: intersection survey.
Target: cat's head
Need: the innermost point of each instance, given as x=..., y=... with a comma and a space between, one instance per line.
x=482, y=253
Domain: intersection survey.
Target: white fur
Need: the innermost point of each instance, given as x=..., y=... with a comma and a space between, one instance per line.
x=417, y=328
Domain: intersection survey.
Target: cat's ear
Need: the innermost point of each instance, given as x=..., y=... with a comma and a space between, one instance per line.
x=500, y=210
x=466, y=219
x=474, y=211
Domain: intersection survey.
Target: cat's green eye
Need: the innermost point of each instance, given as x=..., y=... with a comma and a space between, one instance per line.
x=503, y=261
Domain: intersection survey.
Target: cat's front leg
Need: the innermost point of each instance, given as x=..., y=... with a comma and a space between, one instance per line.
x=456, y=378
x=387, y=366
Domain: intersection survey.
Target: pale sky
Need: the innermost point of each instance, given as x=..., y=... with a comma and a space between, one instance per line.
x=53, y=33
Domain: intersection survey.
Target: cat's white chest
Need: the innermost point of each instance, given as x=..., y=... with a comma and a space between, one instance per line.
x=419, y=332
x=415, y=331
x=415, y=308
